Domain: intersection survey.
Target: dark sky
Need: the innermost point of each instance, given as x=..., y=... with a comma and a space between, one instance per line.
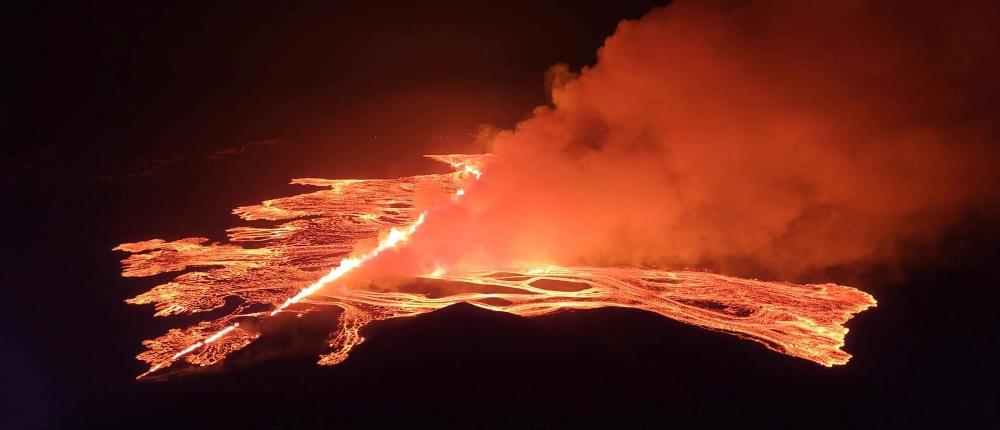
x=144, y=81
x=127, y=121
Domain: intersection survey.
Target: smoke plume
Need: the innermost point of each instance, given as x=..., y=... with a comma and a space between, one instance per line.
x=765, y=137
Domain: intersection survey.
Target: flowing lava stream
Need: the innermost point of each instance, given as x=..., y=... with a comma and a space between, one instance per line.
x=281, y=266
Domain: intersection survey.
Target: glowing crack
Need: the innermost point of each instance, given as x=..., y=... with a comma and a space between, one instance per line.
x=293, y=266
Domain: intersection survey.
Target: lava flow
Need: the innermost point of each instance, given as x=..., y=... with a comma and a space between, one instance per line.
x=287, y=268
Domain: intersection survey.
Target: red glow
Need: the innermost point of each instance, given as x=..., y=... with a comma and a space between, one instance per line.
x=287, y=267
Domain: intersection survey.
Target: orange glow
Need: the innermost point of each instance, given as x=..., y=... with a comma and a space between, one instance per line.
x=346, y=265
x=286, y=268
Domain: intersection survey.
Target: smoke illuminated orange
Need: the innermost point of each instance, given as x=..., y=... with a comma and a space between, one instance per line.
x=294, y=266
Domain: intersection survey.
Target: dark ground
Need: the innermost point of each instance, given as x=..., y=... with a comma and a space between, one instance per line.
x=117, y=124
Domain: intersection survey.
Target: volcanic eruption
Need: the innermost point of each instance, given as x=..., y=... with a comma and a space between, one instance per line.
x=320, y=227
x=761, y=138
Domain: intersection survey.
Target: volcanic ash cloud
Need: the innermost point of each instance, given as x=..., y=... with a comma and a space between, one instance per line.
x=768, y=138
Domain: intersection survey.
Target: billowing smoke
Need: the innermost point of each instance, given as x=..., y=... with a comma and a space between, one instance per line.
x=768, y=138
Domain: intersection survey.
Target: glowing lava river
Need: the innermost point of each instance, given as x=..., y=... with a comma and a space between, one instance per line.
x=294, y=266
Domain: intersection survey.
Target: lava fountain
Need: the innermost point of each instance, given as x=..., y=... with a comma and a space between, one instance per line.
x=297, y=264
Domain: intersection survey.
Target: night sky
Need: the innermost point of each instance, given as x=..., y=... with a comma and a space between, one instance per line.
x=126, y=121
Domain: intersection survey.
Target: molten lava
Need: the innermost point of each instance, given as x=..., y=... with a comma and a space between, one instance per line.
x=294, y=266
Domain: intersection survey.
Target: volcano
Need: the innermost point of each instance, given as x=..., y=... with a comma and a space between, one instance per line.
x=279, y=269
x=684, y=220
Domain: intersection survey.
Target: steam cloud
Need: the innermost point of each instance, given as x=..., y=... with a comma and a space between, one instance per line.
x=765, y=137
